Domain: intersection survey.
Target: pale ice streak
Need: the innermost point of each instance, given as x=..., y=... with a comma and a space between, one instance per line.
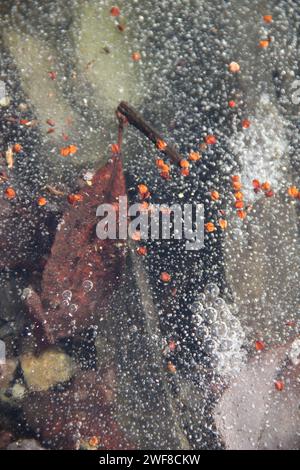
x=262, y=149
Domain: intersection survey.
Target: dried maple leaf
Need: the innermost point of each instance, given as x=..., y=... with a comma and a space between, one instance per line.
x=82, y=270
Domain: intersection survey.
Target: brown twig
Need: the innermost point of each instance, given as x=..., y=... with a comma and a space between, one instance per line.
x=120, y=134
x=54, y=191
x=135, y=119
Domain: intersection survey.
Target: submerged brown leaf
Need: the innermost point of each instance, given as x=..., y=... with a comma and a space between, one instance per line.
x=82, y=270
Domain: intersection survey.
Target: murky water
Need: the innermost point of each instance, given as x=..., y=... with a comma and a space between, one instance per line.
x=101, y=351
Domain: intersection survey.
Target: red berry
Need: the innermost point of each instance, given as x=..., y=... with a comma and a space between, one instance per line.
x=246, y=124
x=115, y=11
x=210, y=140
x=259, y=345
x=279, y=385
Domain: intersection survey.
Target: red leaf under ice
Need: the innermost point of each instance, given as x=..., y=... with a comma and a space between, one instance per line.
x=78, y=255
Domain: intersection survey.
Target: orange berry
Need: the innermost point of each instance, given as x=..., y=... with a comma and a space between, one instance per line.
x=210, y=227
x=165, y=168
x=73, y=198
x=115, y=11
x=259, y=345
x=142, y=189
x=266, y=186
x=264, y=43
x=223, y=224
x=115, y=148
x=269, y=193
x=234, y=67
x=142, y=251
x=184, y=164
x=242, y=214
x=185, y=172
x=246, y=124
x=136, y=56
x=237, y=185
x=268, y=18
x=239, y=205
x=279, y=385
x=159, y=163
x=293, y=191
x=72, y=149
x=65, y=151
x=194, y=156
x=238, y=196
x=42, y=201
x=10, y=193
x=161, y=145
x=215, y=195
x=210, y=139
x=256, y=184
x=17, y=148
x=165, y=277
x=94, y=441
x=235, y=178
x=24, y=122
x=171, y=367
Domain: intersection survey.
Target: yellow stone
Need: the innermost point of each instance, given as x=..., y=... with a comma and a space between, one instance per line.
x=50, y=368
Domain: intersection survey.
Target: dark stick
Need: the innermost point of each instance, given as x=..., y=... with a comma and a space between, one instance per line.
x=120, y=134
x=135, y=119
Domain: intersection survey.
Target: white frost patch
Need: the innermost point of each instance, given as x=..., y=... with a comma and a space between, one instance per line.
x=219, y=332
x=294, y=353
x=261, y=149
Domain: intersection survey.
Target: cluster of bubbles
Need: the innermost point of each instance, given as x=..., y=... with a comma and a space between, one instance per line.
x=67, y=297
x=219, y=332
x=87, y=286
